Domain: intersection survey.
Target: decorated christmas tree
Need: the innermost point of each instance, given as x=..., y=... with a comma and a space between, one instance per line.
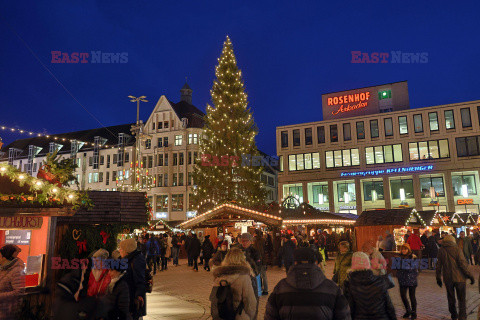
x=225, y=172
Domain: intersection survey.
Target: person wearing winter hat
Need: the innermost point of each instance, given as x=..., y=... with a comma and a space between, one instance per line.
x=367, y=294
x=306, y=293
x=407, y=280
x=12, y=281
x=135, y=277
x=453, y=266
x=99, y=278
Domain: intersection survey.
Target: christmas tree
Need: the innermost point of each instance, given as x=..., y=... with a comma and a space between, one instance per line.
x=224, y=173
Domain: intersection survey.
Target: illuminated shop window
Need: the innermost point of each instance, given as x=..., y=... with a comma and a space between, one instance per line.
x=177, y=202
x=320, y=194
x=162, y=203
x=426, y=183
x=346, y=192
x=373, y=190
x=464, y=185
x=396, y=187
x=385, y=94
x=294, y=190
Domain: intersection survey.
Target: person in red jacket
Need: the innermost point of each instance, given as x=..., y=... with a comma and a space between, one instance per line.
x=99, y=277
x=415, y=243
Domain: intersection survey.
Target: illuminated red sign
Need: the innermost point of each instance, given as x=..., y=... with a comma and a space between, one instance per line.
x=349, y=102
x=465, y=201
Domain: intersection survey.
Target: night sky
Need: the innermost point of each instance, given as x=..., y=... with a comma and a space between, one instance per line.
x=290, y=53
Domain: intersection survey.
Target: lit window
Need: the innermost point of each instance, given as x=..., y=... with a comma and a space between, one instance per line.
x=433, y=121
x=342, y=158
x=178, y=140
x=424, y=150
x=418, y=123
x=402, y=124
x=449, y=119
x=192, y=138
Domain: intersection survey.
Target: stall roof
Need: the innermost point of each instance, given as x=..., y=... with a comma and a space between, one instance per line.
x=111, y=207
x=390, y=217
x=312, y=215
x=429, y=217
x=230, y=210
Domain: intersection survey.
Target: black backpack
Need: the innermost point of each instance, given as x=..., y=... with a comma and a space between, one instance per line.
x=224, y=296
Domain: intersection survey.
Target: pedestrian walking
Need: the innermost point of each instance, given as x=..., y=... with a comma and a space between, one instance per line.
x=193, y=251
x=306, y=293
x=465, y=245
x=207, y=249
x=176, y=244
x=222, y=250
x=286, y=252
x=366, y=293
x=343, y=262
x=407, y=280
x=12, y=281
x=389, y=242
x=162, y=241
x=233, y=296
x=453, y=267
x=431, y=250
x=135, y=277
x=259, y=245
x=153, y=251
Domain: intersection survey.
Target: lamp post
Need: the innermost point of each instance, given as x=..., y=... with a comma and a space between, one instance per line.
x=137, y=129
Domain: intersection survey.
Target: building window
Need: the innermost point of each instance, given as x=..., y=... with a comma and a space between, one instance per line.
x=175, y=159
x=360, y=130
x=165, y=162
x=153, y=125
x=449, y=119
x=294, y=190
x=165, y=124
x=424, y=150
x=280, y=163
x=148, y=144
x=177, y=202
x=108, y=161
x=165, y=180
x=427, y=183
x=178, y=140
x=159, y=142
x=346, y=192
x=102, y=161
x=127, y=157
x=180, y=158
x=284, y=138
x=100, y=177
x=433, y=121
x=303, y=161
x=160, y=180
x=321, y=134
x=115, y=158
x=374, y=129
x=162, y=203
x=308, y=136
x=388, y=123
x=192, y=138
x=347, y=135
x=150, y=161
x=342, y=158
x=464, y=185
x=189, y=156
x=107, y=178
x=373, y=190
x=320, y=194
x=403, y=125
x=190, y=178
x=160, y=160
x=159, y=125
x=384, y=154
x=396, y=187
x=385, y=94
x=466, y=118
x=296, y=138
x=468, y=146
x=333, y=133
x=478, y=113
x=174, y=180
x=418, y=123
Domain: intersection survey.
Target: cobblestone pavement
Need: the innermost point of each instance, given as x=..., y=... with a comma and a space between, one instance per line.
x=181, y=293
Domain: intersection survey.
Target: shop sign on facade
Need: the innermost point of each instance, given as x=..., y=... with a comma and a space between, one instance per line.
x=21, y=222
x=348, y=102
x=239, y=225
x=386, y=171
x=18, y=237
x=465, y=201
x=348, y=207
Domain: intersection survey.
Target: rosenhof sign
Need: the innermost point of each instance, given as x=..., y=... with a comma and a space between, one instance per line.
x=21, y=222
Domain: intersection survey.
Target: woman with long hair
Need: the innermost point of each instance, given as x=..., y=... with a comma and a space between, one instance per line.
x=407, y=281
x=235, y=272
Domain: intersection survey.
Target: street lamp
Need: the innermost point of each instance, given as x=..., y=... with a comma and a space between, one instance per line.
x=136, y=130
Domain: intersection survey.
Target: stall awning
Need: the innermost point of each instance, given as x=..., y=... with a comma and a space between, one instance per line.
x=229, y=212
x=319, y=218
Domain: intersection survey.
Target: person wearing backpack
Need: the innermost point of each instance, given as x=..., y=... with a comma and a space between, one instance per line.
x=232, y=296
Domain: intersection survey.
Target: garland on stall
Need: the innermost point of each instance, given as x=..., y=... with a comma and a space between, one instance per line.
x=44, y=193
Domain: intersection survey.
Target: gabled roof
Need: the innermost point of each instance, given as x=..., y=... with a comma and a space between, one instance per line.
x=109, y=133
x=390, y=217
x=194, y=115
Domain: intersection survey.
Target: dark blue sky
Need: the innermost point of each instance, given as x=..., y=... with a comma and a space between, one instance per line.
x=290, y=52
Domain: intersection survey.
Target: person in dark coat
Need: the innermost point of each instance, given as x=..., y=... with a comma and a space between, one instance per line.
x=207, y=249
x=407, y=280
x=135, y=277
x=193, y=250
x=431, y=250
x=115, y=305
x=286, y=252
x=219, y=255
x=366, y=293
x=453, y=266
x=318, y=257
x=153, y=251
x=306, y=293
x=187, y=241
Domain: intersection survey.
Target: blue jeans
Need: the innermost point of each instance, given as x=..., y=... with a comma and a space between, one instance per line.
x=175, y=252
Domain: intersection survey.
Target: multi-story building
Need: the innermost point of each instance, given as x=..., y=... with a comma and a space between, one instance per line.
x=104, y=156
x=374, y=152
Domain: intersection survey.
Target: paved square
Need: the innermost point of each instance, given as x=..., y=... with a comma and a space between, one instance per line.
x=180, y=293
